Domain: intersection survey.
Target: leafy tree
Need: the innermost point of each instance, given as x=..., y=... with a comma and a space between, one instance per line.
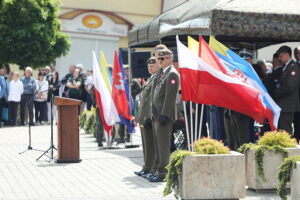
x=30, y=33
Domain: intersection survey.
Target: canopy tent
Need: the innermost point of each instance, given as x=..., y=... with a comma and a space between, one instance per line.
x=240, y=23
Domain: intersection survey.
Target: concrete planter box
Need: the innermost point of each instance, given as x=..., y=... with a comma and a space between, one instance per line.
x=213, y=177
x=295, y=182
x=271, y=162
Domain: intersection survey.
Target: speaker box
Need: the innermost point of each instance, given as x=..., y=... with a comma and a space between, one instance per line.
x=139, y=66
x=124, y=53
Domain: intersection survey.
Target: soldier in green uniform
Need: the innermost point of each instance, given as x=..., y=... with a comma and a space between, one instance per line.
x=144, y=119
x=163, y=111
x=99, y=132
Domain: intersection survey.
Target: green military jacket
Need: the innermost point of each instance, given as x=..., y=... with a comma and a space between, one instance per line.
x=144, y=111
x=165, y=93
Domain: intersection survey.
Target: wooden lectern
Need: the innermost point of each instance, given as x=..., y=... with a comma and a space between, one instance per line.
x=67, y=130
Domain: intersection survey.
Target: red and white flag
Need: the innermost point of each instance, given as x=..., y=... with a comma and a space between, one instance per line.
x=118, y=90
x=106, y=105
x=205, y=84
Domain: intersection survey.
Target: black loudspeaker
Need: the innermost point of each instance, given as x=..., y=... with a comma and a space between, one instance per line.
x=139, y=66
x=124, y=53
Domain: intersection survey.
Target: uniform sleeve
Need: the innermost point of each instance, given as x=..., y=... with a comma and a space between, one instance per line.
x=170, y=95
x=289, y=84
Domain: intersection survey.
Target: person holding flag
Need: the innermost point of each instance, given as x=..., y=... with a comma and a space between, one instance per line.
x=144, y=119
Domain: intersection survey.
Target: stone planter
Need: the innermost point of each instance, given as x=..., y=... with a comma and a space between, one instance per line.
x=213, y=177
x=271, y=162
x=295, y=183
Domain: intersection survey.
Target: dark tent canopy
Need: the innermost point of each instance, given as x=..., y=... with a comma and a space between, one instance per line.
x=241, y=23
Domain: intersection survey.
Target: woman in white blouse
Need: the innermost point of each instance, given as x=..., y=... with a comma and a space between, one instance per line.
x=40, y=99
x=14, y=98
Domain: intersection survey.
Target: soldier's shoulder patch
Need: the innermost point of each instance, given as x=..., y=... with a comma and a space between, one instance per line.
x=293, y=73
x=173, y=81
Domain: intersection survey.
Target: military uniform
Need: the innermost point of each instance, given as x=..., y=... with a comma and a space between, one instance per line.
x=163, y=111
x=144, y=119
x=286, y=95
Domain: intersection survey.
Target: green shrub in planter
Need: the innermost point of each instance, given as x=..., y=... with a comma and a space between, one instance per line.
x=274, y=141
x=202, y=146
x=284, y=175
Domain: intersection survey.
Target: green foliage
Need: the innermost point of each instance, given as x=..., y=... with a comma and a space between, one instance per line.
x=30, y=33
x=277, y=138
x=83, y=118
x=202, y=146
x=210, y=146
x=284, y=175
x=174, y=170
x=90, y=124
x=274, y=141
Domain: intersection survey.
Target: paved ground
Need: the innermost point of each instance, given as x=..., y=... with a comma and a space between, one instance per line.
x=102, y=174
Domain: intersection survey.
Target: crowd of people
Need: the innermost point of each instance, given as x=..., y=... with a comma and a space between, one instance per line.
x=26, y=100
x=157, y=106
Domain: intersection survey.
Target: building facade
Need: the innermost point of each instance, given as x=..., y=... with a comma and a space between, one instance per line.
x=99, y=25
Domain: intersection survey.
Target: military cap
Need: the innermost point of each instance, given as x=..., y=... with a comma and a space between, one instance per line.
x=165, y=52
x=126, y=66
x=159, y=47
x=151, y=60
x=245, y=54
x=284, y=49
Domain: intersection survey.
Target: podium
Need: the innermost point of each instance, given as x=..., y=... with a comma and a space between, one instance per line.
x=67, y=130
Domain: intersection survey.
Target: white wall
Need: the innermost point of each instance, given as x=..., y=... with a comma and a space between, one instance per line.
x=267, y=52
x=81, y=51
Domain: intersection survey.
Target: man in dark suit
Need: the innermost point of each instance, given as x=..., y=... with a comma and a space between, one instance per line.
x=286, y=93
x=297, y=114
x=163, y=111
x=144, y=119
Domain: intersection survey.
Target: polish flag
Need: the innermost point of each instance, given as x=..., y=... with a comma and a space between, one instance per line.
x=118, y=90
x=106, y=105
x=204, y=84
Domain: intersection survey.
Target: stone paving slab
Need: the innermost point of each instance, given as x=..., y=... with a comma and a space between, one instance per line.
x=102, y=174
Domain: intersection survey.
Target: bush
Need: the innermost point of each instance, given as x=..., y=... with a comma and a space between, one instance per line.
x=277, y=138
x=210, y=146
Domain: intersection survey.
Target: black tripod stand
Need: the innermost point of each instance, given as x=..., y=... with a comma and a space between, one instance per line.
x=52, y=147
x=29, y=145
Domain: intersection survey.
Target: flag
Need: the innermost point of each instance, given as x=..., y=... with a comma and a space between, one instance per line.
x=130, y=102
x=243, y=70
x=105, y=71
x=118, y=90
x=204, y=84
x=107, y=108
x=193, y=45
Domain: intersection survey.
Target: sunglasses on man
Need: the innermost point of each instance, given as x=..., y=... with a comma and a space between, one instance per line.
x=162, y=58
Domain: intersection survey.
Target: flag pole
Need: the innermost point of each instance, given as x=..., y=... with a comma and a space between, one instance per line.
x=186, y=126
x=201, y=121
x=191, y=122
x=196, y=122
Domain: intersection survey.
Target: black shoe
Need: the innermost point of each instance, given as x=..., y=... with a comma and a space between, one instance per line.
x=31, y=123
x=100, y=145
x=22, y=124
x=140, y=173
x=149, y=174
x=156, y=179
x=120, y=141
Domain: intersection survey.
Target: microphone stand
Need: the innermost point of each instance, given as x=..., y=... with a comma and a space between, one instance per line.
x=29, y=145
x=52, y=147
